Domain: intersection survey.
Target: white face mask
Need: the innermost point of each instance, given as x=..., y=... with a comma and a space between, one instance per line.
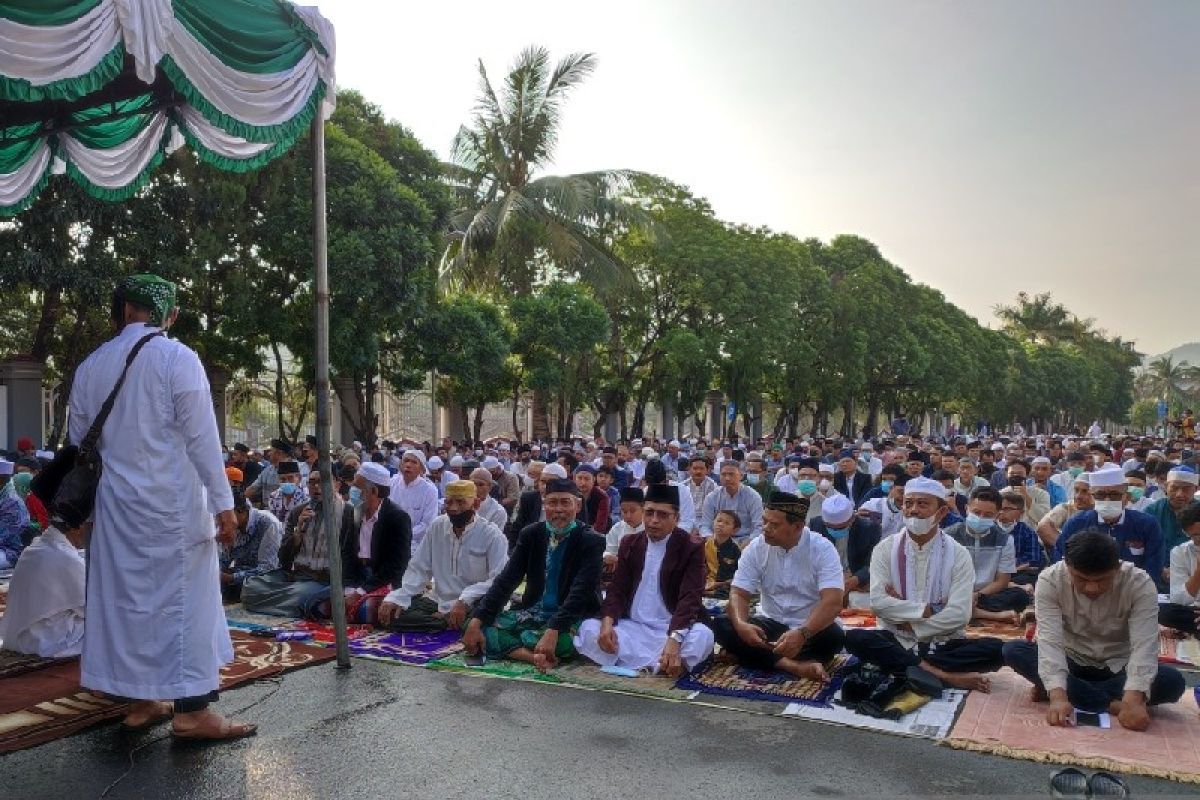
x=919, y=527
x=794, y=472
x=1109, y=509
x=825, y=484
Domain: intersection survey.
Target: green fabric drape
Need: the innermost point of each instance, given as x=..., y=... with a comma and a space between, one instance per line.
x=14, y=150
x=46, y=13
x=256, y=36
x=108, y=133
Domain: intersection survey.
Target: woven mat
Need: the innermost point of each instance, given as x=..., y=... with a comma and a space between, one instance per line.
x=1007, y=722
x=1183, y=653
x=48, y=704
x=13, y=664
x=733, y=680
x=3, y=601
x=995, y=630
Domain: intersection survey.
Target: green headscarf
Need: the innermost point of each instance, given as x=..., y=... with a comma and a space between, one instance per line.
x=152, y=292
x=21, y=483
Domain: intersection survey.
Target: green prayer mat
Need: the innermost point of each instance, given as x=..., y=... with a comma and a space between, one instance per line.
x=500, y=668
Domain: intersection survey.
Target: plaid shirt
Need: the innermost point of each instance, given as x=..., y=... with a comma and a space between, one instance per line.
x=1028, y=546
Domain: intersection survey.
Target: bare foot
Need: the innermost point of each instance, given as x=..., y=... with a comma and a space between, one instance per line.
x=971, y=681
x=805, y=670
x=1038, y=695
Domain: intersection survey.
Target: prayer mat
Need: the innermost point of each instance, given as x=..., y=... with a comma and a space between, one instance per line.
x=858, y=618
x=416, y=649
x=931, y=721
x=1007, y=722
x=586, y=675
x=734, y=680
x=236, y=613
x=1184, y=653
x=496, y=668
x=323, y=631
x=3, y=601
x=12, y=664
x=48, y=704
x=996, y=630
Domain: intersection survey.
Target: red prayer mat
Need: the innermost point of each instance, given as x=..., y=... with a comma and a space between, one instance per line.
x=1007, y=722
x=48, y=703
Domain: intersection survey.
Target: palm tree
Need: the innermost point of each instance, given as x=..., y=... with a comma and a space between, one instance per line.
x=1170, y=380
x=1039, y=320
x=513, y=226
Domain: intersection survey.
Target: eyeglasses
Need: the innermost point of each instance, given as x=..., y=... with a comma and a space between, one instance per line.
x=655, y=513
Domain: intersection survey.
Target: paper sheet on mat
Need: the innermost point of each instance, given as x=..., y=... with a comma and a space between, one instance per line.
x=931, y=721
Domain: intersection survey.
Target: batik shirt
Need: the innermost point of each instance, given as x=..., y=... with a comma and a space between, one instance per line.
x=14, y=519
x=256, y=549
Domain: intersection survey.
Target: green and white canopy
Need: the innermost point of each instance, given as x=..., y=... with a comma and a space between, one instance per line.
x=103, y=89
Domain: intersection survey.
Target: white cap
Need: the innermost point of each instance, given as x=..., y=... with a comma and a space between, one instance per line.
x=416, y=455
x=436, y=463
x=998, y=446
x=490, y=463
x=1107, y=477
x=648, y=452
x=1184, y=474
x=674, y=443
x=1040, y=460
x=376, y=473
x=456, y=462
x=6, y=467
x=555, y=470
x=825, y=469
x=922, y=486
x=836, y=509
x=47, y=455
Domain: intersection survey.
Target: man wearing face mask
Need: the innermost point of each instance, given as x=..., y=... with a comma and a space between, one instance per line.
x=1137, y=534
x=993, y=555
x=290, y=493
x=922, y=584
x=757, y=477
x=380, y=552
x=854, y=537
x=887, y=510
x=1075, y=466
x=461, y=554
x=1181, y=485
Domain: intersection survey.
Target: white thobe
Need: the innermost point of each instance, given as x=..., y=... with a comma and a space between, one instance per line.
x=643, y=635
x=155, y=626
x=461, y=568
x=419, y=499
x=950, y=622
x=789, y=582
x=491, y=510
x=45, y=599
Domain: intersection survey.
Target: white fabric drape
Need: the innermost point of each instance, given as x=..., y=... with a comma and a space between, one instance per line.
x=216, y=139
x=146, y=27
x=43, y=55
x=16, y=186
x=117, y=167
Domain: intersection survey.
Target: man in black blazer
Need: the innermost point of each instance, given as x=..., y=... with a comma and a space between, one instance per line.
x=378, y=552
x=529, y=506
x=854, y=537
x=560, y=561
x=849, y=481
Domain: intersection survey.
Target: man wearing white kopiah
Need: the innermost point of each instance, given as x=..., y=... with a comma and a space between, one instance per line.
x=652, y=609
x=921, y=588
x=415, y=493
x=155, y=627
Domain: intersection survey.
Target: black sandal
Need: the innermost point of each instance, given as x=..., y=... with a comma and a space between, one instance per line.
x=1105, y=784
x=1068, y=783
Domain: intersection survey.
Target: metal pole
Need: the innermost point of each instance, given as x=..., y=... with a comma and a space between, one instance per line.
x=337, y=600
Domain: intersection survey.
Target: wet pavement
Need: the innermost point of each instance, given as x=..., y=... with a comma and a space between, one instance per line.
x=383, y=731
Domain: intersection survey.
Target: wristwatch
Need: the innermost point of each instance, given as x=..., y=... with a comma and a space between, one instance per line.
x=677, y=636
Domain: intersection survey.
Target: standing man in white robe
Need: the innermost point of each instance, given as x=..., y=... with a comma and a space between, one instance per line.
x=155, y=628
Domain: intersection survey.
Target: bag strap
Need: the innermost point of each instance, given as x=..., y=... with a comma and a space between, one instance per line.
x=88, y=445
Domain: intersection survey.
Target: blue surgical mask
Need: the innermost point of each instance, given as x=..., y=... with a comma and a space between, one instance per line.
x=886, y=486
x=288, y=489
x=752, y=478
x=837, y=533
x=356, y=497
x=978, y=524
x=807, y=486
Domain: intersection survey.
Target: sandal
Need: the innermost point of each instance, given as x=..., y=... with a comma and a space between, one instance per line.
x=156, y=718
x=1105, y=784
x=228, y=729
x=1068, y=783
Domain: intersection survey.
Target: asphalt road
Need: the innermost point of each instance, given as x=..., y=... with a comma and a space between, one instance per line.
x=381, y=731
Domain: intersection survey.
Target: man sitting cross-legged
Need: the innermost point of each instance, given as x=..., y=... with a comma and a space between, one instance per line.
x=1182, y=611
x=993, y=554
x=798, y=577
x=559, y=560
x=650, y=617
x=461, y=554
x=1097, y=647
x=922, y=582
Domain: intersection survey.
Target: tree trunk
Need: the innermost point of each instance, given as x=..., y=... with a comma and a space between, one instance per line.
x=477, y=427
x=872, y=414
x=278, y=389
x=819, y=413
x=43, y=335
x=466, y=418
x=541, y=416
x=516, y=407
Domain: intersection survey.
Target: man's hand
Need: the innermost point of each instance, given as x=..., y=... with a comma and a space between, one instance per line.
x=852, y=583
x=610, y=559
x=543, y=654
x=1060, y=712
x=226, y=578
x=891, y=592
x=607, y=640
x=227, y=527
x=387, y=613
x=1134, y=716
x=790, y=644
x=669, y=662
x=455, y=617
x=472, y=639
x=752, y=635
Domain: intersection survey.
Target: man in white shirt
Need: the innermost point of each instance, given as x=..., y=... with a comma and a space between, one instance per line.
x=489, y=507
x=798, y=577
x=45, y=614
x=1183, y=611
x=415, y=493
x=632, y=503
x=922, y=583
x=699, y=485
x=460, y=554
x=1097, y=647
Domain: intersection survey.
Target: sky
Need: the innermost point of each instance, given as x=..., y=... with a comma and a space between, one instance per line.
x=985, y=147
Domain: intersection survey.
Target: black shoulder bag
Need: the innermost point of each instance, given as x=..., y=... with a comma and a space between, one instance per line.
x=78, y=487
